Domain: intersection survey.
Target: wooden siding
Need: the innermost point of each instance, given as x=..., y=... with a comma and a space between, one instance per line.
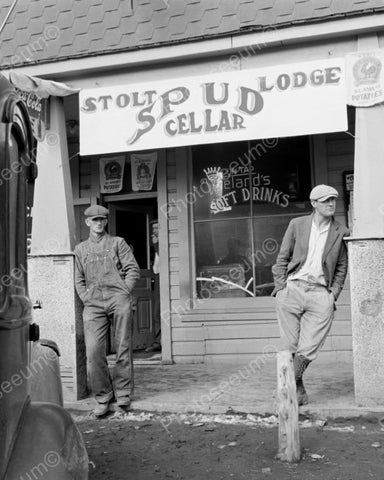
x=238, y=335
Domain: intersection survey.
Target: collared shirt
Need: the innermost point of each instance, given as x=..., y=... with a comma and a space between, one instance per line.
x=312, y=269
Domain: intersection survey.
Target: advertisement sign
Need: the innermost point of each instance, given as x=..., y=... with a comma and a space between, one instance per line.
x=270, y=102
x=38, y=109
x=365, y=78
x=111, y=174
x=143, y=171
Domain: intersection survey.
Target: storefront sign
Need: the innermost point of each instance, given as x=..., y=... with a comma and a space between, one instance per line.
x=38, y=112
x=287, y=100
x=111, y=174
x=365, y=78
x=243, y=183
x=143, y=171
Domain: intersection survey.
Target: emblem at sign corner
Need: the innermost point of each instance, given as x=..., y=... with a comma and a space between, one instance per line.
x=367, y=70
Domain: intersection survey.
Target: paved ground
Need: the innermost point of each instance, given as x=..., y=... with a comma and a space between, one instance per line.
x=248, y=388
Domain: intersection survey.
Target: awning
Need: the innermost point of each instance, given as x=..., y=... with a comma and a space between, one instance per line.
x=269, y=102
x=40, y=87
x=35, y=93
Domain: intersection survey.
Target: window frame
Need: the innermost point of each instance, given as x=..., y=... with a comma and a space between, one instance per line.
x=191, y=308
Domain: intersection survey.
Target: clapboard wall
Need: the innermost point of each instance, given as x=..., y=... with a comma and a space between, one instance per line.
x=217, y=335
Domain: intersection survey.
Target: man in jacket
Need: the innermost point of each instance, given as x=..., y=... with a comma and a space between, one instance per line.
x=309, y=275
x=105, y=274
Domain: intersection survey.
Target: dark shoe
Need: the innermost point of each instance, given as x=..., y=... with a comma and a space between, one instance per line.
x=155, y=347
x=101, y=409
x=122, y=410
x=302, y=397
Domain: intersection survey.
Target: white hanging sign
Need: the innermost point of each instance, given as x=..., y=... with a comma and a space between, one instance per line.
x=270, y=102
x=365, y=78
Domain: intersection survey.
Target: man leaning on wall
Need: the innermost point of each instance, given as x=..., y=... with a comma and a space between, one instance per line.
x=105, y=274
x=309, y=275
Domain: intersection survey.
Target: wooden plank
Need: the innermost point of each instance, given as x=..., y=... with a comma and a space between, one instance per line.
x=242, y=346
x=174, y=279
x=189, y=334
x=319, y=163
x=341, y=327
x=187, y=316
x=247, y=331
x=188, y=348
x=340, y=147
x=336, y=163
x=166, y=332
x=175, y=293
x=288, y=410
x=338, y=342
x=174, y=264
x=188, y=359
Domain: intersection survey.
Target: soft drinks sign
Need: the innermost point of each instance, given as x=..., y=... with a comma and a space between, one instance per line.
x=282, y=101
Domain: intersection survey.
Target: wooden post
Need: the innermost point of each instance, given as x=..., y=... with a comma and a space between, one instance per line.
x=288, y=410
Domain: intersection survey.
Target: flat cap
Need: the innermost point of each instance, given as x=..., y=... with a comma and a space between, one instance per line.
x=322, y=192
x=96, y=211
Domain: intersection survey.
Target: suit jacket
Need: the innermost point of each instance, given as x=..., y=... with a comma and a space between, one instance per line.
x=294, y=250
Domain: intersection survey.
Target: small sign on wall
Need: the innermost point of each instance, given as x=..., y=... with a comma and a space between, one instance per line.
x=143, y=168
x=348, y=197
x=365, y=78
x=111, y=174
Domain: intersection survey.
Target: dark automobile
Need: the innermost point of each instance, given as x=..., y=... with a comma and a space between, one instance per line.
x=38, y=438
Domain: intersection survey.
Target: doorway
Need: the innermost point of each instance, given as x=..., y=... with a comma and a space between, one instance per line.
x=131, y=219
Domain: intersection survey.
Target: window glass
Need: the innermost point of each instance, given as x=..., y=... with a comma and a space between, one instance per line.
x=281, y=176
x=217, y=190
x=245, y=194
x=223, y=250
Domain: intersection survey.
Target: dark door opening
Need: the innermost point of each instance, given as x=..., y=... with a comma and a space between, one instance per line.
x=131, y=220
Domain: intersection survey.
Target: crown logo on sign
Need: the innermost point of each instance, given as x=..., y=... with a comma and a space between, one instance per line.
x=367, y=70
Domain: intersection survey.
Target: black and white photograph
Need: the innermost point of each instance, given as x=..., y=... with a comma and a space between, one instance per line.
x=191, y=239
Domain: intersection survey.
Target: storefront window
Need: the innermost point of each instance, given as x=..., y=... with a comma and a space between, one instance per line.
x=245, y=194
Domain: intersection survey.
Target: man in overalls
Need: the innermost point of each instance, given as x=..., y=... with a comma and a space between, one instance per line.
x=105, y=274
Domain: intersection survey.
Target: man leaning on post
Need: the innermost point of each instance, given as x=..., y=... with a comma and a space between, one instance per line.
x=309, y=275
x=105, y=274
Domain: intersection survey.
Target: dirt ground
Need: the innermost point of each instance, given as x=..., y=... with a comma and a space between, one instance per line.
x=144, y=446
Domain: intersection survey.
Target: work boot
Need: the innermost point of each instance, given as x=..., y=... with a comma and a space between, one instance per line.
x=101, y=409
x=300, y=364
x=122, y=409
x=302, y=397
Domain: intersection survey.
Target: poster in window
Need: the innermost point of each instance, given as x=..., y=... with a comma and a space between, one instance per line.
x=111, y=174
x=143, y=167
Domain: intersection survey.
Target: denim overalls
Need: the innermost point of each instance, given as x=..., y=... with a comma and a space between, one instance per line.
x=107, y=300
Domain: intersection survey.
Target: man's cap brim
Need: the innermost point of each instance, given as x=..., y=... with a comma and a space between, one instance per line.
x=332, y=195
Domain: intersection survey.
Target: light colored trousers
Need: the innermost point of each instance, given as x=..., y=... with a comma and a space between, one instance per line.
x=305, y=313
